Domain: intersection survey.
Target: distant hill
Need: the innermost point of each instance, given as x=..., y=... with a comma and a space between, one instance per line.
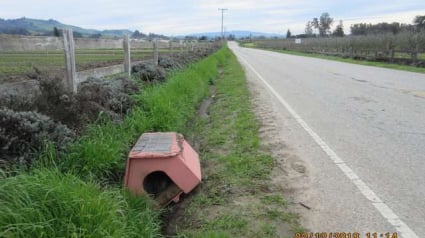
x=28, y=26
x=236, y=33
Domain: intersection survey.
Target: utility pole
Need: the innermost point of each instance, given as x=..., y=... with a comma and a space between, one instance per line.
x=222, y=18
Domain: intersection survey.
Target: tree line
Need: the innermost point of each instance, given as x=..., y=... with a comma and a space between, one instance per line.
x=323, y=25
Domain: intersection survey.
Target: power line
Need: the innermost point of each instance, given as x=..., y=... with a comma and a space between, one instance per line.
x=222, y=18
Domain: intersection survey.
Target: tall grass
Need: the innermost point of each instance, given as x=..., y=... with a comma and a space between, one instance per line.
x=102, y=151
x=47, y=203
x=58, y=198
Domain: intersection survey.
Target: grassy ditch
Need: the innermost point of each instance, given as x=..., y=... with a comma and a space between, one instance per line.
x=102, y=151
x=236, y=197
x=341, y=59
x=78, y=193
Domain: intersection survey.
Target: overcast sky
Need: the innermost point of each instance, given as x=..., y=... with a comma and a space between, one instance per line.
x=194, y=16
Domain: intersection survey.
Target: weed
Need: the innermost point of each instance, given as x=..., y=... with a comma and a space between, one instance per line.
x=273, y=214
x=103, y=149
x=227, y=222
x=47, y=203
x=268, y=230
x=271, y=199
x=53, y=201
x=236, y=171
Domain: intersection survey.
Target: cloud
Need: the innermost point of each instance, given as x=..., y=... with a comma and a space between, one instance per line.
x=188, y=16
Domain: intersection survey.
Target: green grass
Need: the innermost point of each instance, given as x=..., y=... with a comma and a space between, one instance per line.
x=347, y=60
x=47, y=203
x=273, y=199
x=249, y=44
x=360, y=62
x=102, y=150
x=78, y=193
x=235, y=168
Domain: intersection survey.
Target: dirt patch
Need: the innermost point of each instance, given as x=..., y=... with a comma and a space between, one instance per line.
x=203, y=110
x=291, y=173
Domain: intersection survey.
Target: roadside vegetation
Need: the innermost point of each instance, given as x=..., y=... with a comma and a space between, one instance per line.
x=236, y=197
x=77, y=191
x=73, y=187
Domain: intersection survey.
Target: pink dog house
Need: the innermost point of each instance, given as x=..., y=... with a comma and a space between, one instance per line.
x=163, y=165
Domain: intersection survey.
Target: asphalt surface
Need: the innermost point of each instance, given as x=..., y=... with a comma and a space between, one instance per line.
x=373, y=119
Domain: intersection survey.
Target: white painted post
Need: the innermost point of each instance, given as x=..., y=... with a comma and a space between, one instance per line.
x=71, y=74
x=155, y=52
x=127, y=60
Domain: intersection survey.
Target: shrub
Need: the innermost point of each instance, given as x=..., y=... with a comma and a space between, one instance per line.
x=19, y=96
x=23, y=132
x=56, y=102
x=95, y=96
x=148, y=72
x=111, y=97
x=168, y=63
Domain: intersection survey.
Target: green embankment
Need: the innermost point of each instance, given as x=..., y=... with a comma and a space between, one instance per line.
x=79, y=194
x=237, y=197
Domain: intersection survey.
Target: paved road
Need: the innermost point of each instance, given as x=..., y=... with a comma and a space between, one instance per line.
x=360, y=129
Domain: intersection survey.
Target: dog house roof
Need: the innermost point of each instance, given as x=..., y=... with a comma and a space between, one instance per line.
x=157, y=145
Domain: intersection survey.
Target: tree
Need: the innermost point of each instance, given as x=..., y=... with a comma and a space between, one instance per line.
x=358, y=29
x=323, y=24
x=419, y=22
x=288, y=34
x=308, y=29
x=339, y=30
x=379, y=28
x=137, y=34
x=56, y=32
x=203, y=38
x=231, y=37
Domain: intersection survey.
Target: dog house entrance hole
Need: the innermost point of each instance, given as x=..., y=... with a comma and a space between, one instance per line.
x=156, y=182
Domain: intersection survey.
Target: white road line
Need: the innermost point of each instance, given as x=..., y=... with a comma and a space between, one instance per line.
x=385, y=211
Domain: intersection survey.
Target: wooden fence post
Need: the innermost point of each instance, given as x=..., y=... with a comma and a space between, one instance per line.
x=171, y=47
x=414, y=53
x=71, y=74
x=392, y=55
x=155, y=52
x=127, y=59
